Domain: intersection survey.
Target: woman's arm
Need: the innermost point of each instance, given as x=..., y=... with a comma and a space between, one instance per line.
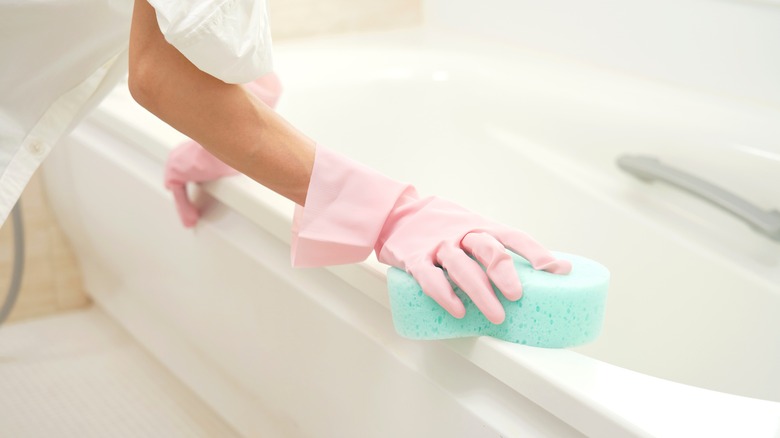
x=352, y=209
x=231, y=123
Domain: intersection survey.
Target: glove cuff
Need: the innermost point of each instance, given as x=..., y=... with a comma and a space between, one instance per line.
x=347, y=204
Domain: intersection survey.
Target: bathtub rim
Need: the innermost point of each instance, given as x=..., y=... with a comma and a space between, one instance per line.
x=638, y=403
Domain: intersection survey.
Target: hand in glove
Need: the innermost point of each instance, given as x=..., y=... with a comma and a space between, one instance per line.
x=352, y=209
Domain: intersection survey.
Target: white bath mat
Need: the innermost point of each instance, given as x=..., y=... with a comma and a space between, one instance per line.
x=80, y=375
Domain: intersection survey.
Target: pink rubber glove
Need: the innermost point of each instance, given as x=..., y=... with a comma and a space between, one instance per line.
x=191, y=163
x=352, y=209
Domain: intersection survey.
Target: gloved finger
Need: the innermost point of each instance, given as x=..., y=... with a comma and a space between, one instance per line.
x=434, y=284
x=188, y=214
x=498, y=264
x=526, y=246
x=467, y=274
x=190, y=162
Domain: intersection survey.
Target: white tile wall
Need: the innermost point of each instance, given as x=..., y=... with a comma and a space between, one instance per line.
x=296, y=18
x=725, y=46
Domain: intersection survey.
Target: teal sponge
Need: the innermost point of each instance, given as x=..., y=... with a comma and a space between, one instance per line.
x=555, y=311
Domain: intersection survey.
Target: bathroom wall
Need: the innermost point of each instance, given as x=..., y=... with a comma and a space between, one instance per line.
x=724, y=46
x=52, y=282
x=301, y=18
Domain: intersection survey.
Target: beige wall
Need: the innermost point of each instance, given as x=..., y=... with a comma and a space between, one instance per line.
x=52, y=281
x=300, y=18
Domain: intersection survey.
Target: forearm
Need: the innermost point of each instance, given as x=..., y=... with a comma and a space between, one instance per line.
x=224, y=118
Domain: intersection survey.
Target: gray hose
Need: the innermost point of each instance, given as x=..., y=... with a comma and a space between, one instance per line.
x=16, y=275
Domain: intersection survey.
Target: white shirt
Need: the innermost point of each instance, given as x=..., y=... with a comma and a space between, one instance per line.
x=59, y=58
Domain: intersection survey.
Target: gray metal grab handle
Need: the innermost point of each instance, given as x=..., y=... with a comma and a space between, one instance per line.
x=650, y=169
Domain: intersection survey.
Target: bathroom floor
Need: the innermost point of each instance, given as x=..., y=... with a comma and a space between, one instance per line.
x=79, y=374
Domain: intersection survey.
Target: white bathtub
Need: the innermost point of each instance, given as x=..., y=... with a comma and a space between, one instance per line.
x=691, y=342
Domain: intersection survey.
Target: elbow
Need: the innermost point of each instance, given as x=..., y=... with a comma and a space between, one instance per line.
x=143, y=83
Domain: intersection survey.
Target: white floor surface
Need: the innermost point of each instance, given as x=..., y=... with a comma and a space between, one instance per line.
x=79, y=374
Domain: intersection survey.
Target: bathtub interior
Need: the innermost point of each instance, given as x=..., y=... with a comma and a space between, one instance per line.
x=531, y=141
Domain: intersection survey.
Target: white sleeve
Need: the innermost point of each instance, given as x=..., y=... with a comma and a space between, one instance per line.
x=228, y=39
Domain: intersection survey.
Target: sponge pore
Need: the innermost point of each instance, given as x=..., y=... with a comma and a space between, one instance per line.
x=555, y=311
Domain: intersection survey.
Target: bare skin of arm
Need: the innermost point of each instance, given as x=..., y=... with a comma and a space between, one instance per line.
x=228, y=121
